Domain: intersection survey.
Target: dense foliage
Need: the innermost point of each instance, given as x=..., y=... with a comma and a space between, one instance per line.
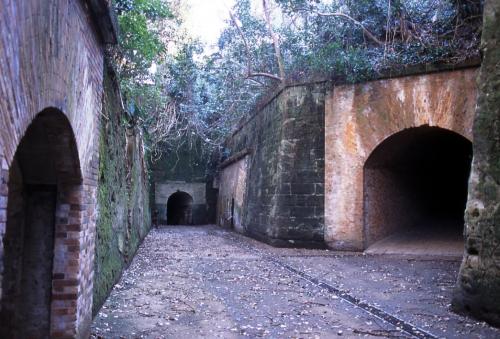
x=195, y=98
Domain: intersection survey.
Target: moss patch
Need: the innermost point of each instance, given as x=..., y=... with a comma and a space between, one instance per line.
x=122, y=197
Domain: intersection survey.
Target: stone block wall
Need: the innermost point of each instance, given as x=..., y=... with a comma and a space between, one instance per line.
x=306, y=172
x=198, y=191
x=185, y=168
x=285, y=179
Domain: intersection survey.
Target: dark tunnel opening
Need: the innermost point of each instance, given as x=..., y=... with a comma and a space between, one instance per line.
x=45, y=159
x=415, y=182
x=180, y=209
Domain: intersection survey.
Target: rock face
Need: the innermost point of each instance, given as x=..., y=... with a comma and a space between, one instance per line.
x=478, y=288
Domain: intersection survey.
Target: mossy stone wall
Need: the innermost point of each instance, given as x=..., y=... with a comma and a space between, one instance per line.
x=284, y=203
x=123, y=195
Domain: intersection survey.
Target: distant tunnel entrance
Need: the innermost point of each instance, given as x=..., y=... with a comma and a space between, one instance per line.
x=415, y=188
x=180, y=209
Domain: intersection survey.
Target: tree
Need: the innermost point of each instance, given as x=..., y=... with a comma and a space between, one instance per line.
x=195, y=99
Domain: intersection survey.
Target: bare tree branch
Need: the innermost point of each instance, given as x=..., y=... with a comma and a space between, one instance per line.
x=250, y=73
x=354, y=21
x=267, y=75
x=276, y=42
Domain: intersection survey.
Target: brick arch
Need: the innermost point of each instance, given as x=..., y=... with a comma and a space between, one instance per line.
x=360, y=117
x=52, y=56
x=45, y=178
x=415, y=184
x=378, y=139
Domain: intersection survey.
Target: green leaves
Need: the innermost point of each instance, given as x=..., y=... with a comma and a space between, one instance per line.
x=139, y=36
x=141, y=44
x=200, y=97
x=151, y=9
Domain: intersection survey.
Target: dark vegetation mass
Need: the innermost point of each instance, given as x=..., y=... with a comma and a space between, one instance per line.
x=184, y=95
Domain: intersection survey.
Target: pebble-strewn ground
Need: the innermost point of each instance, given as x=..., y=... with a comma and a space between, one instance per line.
x=192, y=282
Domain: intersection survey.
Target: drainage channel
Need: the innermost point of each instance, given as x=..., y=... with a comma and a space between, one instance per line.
x=375, y=311
x=404, y=326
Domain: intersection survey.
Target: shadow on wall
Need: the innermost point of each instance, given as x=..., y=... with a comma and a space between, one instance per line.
x=180, y=209
x=416, y=183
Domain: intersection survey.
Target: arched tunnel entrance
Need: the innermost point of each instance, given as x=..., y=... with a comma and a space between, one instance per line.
x=415, y=191
x=180, y=209
x=45, y=169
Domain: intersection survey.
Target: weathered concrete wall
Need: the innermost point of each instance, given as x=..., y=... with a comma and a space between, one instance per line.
x=197, y=191
x=478, y=288
x=232, y=195
x=285, y=181
x=123, y=195
x=51, y=57
x=359, y=117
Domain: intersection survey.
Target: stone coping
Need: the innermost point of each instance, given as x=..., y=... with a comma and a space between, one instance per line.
x=400, y=72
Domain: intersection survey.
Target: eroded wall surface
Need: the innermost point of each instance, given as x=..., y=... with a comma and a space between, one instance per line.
x=359, y=117
x=232, y=195
x=197, y=191
x=478, y=287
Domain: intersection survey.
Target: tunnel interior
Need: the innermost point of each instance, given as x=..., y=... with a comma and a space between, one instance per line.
x=415, y=183
x=180, y=209
x=29, y=239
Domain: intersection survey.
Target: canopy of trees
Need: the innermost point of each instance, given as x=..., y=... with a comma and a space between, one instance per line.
x=181, y=95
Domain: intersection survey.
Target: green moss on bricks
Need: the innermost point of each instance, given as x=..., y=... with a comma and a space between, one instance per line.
x=107, y=259
x=122, y=199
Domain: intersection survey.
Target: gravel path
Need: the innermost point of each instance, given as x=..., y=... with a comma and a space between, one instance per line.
x=194, y=282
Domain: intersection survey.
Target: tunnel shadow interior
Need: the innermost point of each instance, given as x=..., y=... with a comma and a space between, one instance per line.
x=180, y=209
x=415, y=192
x=44, y=169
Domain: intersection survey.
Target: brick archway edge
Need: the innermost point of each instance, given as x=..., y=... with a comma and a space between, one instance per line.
x=51, y=56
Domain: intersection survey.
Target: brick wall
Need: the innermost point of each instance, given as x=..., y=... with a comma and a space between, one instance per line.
x=123, y=217
x=51, y=57
x=305, y=178
x=359, y=117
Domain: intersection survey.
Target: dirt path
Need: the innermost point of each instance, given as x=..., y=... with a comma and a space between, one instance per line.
x=192, y=282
